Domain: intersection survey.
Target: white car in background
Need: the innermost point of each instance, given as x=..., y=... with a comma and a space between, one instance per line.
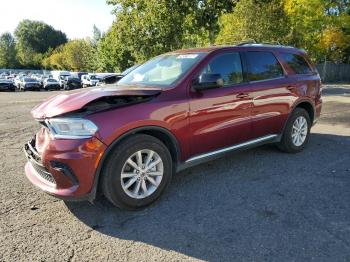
x=17, y=81
x=60, y=76
x=89, y=80
x=51, y=84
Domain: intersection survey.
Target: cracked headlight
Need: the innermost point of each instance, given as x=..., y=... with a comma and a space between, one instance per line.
x=71, y=128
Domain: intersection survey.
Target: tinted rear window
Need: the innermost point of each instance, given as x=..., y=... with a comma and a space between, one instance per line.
x=262, y=66
x=297, y=63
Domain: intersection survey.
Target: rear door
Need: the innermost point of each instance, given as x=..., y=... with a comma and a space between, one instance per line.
x=269, y=90
x=220, y=117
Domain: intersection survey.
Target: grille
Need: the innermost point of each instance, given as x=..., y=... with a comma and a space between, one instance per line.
x=35, y=160
x=42, y=172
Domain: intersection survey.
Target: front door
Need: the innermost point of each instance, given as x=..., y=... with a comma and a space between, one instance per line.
x=220, y=117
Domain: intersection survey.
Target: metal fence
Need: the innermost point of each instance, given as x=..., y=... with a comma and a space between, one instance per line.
x=332, y=73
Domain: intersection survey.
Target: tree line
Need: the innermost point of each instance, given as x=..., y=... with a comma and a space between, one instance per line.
x=145, y=28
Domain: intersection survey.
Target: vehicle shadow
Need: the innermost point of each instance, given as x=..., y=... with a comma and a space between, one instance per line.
x=259, y=204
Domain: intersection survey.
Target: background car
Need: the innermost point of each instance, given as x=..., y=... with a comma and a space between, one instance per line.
x=78, y=74
x=28, y=83
x=72, y=83
x=7, y=85
x=17, y=81
x=107, y=78
x=51, y=84
x=62, y=81
x=112, y=78
x=4, y=75
x=89, y=80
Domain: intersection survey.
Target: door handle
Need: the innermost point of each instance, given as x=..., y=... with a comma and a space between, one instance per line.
x=291, y=88
x=242, y=95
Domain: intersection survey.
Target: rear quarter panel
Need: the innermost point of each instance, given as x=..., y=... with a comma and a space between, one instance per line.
x=307, y=86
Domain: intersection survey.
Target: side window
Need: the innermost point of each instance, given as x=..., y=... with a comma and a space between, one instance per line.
x=297, y=63
x=228, y=65
x=262, y=65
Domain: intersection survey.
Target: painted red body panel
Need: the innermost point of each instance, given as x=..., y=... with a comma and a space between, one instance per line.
x=200, y=121
x=63, y=103
x=77, y=154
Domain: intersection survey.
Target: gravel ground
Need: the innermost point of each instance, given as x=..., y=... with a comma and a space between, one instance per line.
x=257, y=205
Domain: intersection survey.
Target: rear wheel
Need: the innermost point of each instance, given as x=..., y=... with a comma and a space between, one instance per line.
x=137, y=172
x=296, y=133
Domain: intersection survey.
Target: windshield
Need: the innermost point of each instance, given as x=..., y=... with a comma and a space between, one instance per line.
x=162, y=71
x=127, y=71
x=93, y=77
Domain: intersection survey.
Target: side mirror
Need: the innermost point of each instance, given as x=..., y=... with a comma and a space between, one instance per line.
x=207, y=81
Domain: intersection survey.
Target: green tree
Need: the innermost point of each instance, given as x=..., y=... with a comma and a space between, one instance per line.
x=333, y=44
x=208, y=12
x=113, y=54
x=146, y=28
x=322, y=27
x=76, y=55
x=96, y=35
x=79, y=55
x=55, y=60
x=263, y=21
x=34, y=39
x=7, y=51
x=308, y=20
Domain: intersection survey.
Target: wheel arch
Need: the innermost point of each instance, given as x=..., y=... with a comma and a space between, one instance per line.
x=305, y=104
x=308, y=106
x=160, y=133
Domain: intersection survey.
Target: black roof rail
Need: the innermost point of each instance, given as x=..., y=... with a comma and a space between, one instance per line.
x=247, y=42
x=271, y=43
x=253, y=42
x=276, y=44
x=237, y=43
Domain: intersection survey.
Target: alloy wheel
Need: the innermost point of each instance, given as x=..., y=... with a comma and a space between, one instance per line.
x=299, y=131
x=142, y=174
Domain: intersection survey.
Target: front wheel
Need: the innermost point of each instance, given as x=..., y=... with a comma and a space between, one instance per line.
x=297, y=132
x=137, y=172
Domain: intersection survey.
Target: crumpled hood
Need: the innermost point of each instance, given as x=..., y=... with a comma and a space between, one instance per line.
x=76, y=99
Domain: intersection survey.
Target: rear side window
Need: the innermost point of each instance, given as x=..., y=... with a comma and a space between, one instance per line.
x=262, y=66
x=297, y=63
x=228, y=65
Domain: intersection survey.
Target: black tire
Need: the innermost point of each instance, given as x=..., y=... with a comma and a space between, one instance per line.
x=286, y=144
x=111, y=175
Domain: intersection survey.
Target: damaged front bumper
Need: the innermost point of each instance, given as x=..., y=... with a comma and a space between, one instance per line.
x=64, y=168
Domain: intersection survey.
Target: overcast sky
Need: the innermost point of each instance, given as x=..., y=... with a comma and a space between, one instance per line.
x=74, y=17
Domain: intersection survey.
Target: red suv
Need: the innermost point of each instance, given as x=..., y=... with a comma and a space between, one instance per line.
x=176, y=110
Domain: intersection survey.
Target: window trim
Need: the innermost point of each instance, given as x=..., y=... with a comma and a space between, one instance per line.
x=284, y=74
x=269, y=79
